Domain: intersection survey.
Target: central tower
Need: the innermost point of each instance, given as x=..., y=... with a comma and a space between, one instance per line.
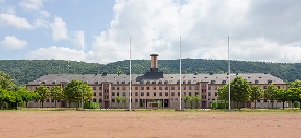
x=154, y=63
x=154, y=70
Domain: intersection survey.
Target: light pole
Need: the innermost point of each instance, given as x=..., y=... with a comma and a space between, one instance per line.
x=83, y=97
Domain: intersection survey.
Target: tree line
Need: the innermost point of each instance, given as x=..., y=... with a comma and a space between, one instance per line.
x=12, y=94
x=241, y=91
x=24, y=71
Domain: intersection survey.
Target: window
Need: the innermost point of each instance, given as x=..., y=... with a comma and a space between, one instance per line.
x=136, y=93
x=184, y=93
x=58, y=101
x=270, y=81
x=178, y=93
x=154, y=88
x=172, y=93
x=117, y=88
x=113, y=100
x=160, y=94
x=196, y=93
x=212, y=81
x=278, y=87
x=215, y=93
x=94, y=100
x=123, y=88
x=172, y=88
x=209, y=87
x=142, y=93
x=166, y=88
x=147, y=88
x=196, y=87
x=155, y=94
x=113, y=88
x=256, y=81
x=203, y=90
x=264, y=87
x=113, y=93
x=166, y=93
x=189, y=93
x=190, y=88
x=100, y=94
x=224, y=82
x=100, y=88
x=136, y=100
x=178, y=87
x=99, y=100
x=123, y=94
x=147, y=93
x=94, y=93
x=160, y=88
x=117, y=93
x=94, y=88
x=136, y=88
x=209, y=93
x=142, y=88
x=184, y=87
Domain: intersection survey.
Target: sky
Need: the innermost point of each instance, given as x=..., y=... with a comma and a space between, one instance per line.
x=102, y=31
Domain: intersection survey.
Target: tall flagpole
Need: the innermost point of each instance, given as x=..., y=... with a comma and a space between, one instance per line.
x=83, y=47
x=180, y=77
x=229, y=72
x=130, y=75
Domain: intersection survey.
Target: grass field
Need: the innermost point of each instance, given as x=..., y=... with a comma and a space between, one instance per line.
x=145, y=123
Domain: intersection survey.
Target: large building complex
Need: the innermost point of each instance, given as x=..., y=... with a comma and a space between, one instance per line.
x=152, y=89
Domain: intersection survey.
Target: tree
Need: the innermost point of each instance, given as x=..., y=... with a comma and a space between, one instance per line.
x=295, y=84
x=76, y=90
x=197, y=99
x=240, y=90
x=256, y=93
x=25, y=94
x=191, y=99
x=186, y=98
x=43, y=92
x=223, y=93
x=118, y=99
x=270, y=93
x=56, y=93
x=281, y=94
x=6, y=82
x=124, y=100
x=293, y=95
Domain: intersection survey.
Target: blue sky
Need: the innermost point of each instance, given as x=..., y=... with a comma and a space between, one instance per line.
x=99, y=30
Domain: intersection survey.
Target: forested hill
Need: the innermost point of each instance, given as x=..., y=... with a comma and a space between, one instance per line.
x=25, y=71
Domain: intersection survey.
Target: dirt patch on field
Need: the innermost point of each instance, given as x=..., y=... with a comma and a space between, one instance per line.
x=148, y=124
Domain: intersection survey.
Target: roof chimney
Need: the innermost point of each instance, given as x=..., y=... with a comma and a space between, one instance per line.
x=154, y=63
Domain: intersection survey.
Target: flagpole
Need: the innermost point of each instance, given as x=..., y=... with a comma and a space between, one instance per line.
x=229, y=72
x=180, y=76
x=130, y=75
x=83, y=46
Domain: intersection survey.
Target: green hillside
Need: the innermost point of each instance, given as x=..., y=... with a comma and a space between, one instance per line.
x=25, y=71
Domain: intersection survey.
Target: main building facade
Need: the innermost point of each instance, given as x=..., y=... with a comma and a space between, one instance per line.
x=150, y=90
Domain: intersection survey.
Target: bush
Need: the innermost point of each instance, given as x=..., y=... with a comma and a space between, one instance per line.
x=219, y=105
x=92, y=105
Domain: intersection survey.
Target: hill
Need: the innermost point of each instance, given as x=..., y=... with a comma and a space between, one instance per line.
x=25, y=71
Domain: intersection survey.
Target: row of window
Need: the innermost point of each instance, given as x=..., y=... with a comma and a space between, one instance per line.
x=157, y=88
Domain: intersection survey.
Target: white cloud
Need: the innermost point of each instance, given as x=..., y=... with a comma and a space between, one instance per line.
x=41, y=23
x=57, y=53
x=15, y=21
x=79, y=39
x=45, y=14
x=259, y=30
x=59, y=29
x=31, y=4
x=12, y=43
